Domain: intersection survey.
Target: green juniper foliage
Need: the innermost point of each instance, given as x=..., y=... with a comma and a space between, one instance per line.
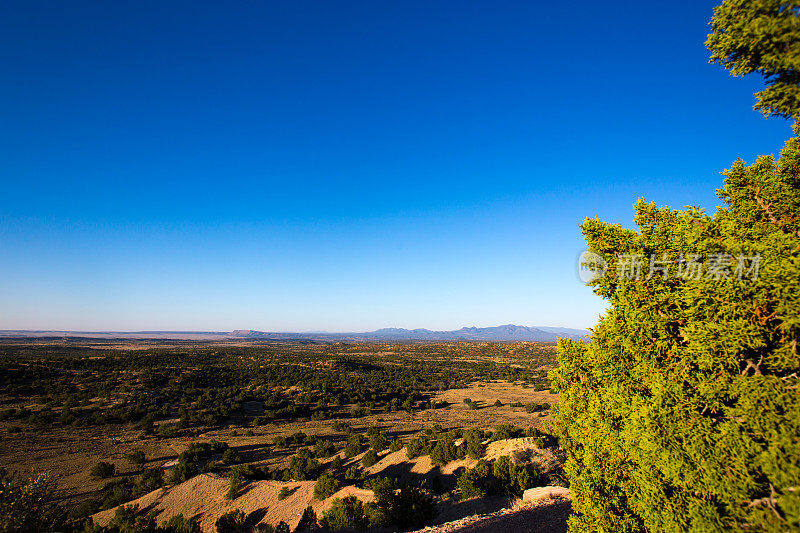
x=683, y=413
x=761, y=36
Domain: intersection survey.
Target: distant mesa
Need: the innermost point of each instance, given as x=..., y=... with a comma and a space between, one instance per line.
x=246, y=333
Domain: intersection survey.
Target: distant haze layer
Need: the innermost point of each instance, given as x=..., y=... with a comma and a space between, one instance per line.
x=508, y=332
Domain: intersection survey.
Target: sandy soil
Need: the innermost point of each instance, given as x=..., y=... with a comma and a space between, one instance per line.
x=203, y=497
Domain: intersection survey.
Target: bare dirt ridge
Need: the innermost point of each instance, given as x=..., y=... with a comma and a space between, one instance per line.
x=203, y=496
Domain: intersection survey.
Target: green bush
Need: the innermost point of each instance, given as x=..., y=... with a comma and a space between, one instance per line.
x=355, y=445
x=504, y=477
x=285, y=492
x=182, y=471
x=444, y=452
x=418, y=446
x=137, y=458
x=378, y=441
x=475, y=481
x=127, y=518
x=180, y=524
x=308, y=520
x=234, y=485
x=231, y=456
x=152, y=479
x=324, y=448
x=354, y=474
x=116, y=493
x=302, y=465
x=325, y=487
x=345, y=513
x=103, y=470
x=682, y=413
x=411, y=507
x=231, y=522
x=369, y=459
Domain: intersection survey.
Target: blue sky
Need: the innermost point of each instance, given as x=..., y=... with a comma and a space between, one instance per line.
x=343, y=166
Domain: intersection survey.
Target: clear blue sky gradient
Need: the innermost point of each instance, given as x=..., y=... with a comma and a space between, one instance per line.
x=344, y=166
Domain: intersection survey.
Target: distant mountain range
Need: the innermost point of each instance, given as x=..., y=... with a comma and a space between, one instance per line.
x=508, y=332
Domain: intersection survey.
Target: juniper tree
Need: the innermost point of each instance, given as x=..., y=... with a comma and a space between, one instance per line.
x=683, y=412
x=761, y=36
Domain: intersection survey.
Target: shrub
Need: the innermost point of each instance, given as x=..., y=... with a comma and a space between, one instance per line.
x=249, y=471
x=471, y=404
x=378, y=442
x=234, y=485
x=355, y=474
x=167, y=431
x=308, y=520
x=128, y=518
x=180, y=524
x=418, y=446
x=231, y=456
x=103, y=470
x=411, y=507
x=444, y=452
x=25, y=503
x=505, y=431
x=511, y=479
x=396, y=446
x=183, y=471
x=338, y=425
x=115, y=493
x=152, y=479
x=475, y=482
x=345, y=513
x=81, y=510
x=302, y=465
x=324, y=448
x=382, y=487
x=231, y=522
x=369, y=459
x=285, y=492
x=325, y=487
x=473, y=438
x=137, y=458
x=354, y=446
